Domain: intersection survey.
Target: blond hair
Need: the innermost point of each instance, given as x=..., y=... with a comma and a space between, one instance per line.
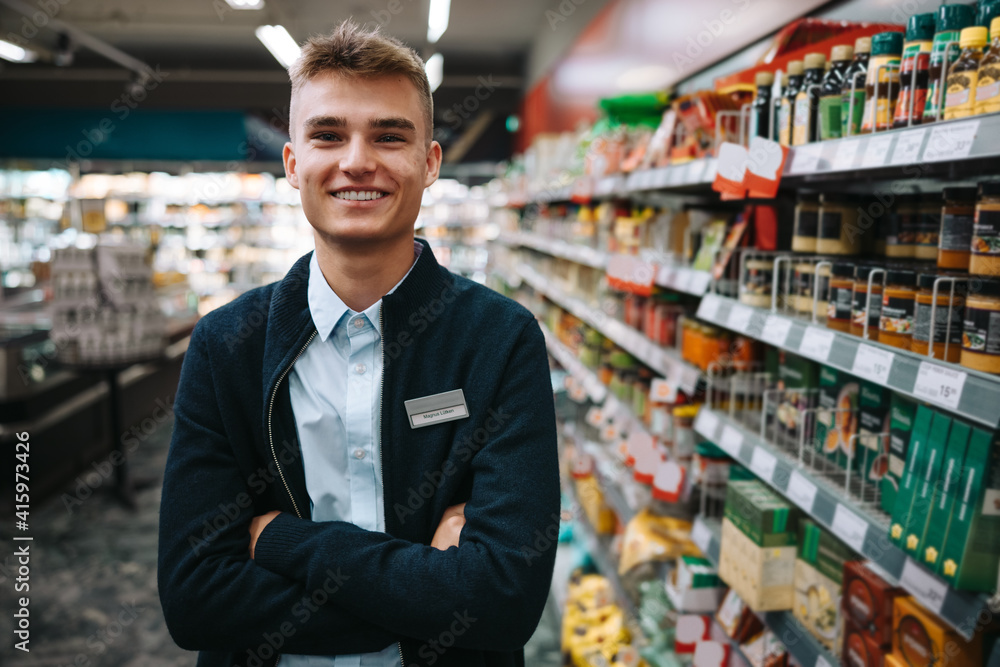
x=351, y=50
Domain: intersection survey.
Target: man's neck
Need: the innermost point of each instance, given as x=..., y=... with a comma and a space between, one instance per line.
x=362, y=274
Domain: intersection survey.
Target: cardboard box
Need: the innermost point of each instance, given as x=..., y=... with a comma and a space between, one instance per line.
x=902, y=412
x=761, y=514
x=798, y=377
x=837, y=418
x=694, y=586
x=867, y=602
x=819, y=572
x=915, y=458
x=736, y=619
x=971, y=554
x=920, y=509
x=923, y=640
x=945, y=491
x=765, y=650
x=763, y=576
x=860, y=650
x=871, y=456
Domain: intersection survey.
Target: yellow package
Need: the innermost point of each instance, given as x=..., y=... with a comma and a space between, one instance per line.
x=651, y=538
x=592, y=501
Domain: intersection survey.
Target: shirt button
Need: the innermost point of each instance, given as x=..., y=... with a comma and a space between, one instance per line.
x=360, y=369
x=359, y=453
x=358, y=323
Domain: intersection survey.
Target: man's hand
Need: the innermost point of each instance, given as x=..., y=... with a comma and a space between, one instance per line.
x=450, y=528
x=257, y=525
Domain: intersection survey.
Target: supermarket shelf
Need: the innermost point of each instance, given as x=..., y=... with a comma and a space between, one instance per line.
x=694, y=173
x=707, y=536
x=557, y=248
x=847, y=518
x=683, y=279
x=966, y=393
x=586, y=377
x=665, y=361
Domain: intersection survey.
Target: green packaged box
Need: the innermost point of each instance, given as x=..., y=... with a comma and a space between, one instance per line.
x=913, y=529
x=945, y=491
x=761, y=514
x=836, y=420
x=915, y=456
x=798, y=377
x=871, y=457
x=902, y=412
x=972, y=547
x=819, y=574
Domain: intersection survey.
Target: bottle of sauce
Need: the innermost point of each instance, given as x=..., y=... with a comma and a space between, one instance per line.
x=830, y=122
x=861, y=303
x=958, y=217
x=948, y=314
x=806, y=225
x=806, y=115
x=777, y=96
x=898, y=307
x=981, y=327
x=880, y=99
x=760, y=111
x=963, y=76
x=852, y=105
x=951, y=20
x=985, y=259
x=786, y=111
x=988, y=85
x=914, y=70
x=839, y=233
x=838, y=310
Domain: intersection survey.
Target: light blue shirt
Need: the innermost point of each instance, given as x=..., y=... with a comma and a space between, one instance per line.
x=335, y=389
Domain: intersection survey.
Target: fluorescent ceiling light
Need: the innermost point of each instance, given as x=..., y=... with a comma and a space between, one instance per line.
x=246, y=4
x=435, y=70
x=15, y=53
x=437, y=19
x=281, y=45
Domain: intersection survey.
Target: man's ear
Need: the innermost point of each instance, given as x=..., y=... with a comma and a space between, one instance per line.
x=288, y=157
x=433, y=163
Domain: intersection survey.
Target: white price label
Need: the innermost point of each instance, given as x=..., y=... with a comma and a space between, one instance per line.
x=701, y=536
x=847, y=151
x=698, y=282
x=732, y=161
x=927, y=588
x=950, y=141
x=908, y=147
x=665, y=276
x=805, y=159
x=695, y=169
x=877, y=151
x=595, y=417
x=739, y=318
x=662, y=391
x=706, y=423
x=709, y=307
x=849, y=527
x=762, y=463
x=677, y=175
x=816, y=344
x=822, y=662
x=801, y=491
x=731, y=441
x=776, y=330
x=941, y=385
x=873, y=364
x=711, y=169
x=682, y=280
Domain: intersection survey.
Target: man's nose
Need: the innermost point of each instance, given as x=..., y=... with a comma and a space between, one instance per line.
x=358, y=158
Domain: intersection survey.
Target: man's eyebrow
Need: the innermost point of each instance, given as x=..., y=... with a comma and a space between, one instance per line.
x=325, y=121
x=392, y=123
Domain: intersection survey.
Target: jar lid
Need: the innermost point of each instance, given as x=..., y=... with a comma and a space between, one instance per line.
x=764, y=78
x=989, y=10
x=795, y=68
x=842, y=52
x=954, y=17
x=989, y=189
x=861, y=271
x=974, y=37
x=815, y=61
x=805, y=267
x=926, y=281
x=760, y=264
x=862, y=45
x=995, y=24
x=887, y=44
x=959, y=193
x=842, y=270
x=900, y=277
x=980, y=286
x=920, y=27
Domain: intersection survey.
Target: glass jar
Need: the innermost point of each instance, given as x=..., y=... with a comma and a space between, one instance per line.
x=684, y=435
x=981, y=331
x=946, y=328
x=928, y=223
x=898, y=305
x=662, y=312
x=757, y=280
x=838, y=312
x=806, y=223
x=963, y=75
x=838, y=226
x=860, y=301
x=822, y=292
x=802, y=287
x=635, y=306
x=901, y=235
x=958, y=216
x=985, y=259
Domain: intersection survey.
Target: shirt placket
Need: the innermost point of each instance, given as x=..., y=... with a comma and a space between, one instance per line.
x=362, y=382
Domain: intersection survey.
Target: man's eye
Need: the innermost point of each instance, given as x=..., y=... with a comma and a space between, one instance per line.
x=391, y=138
x=326, y=136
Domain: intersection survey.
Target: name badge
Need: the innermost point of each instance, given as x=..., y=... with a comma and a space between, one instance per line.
x=444, y=407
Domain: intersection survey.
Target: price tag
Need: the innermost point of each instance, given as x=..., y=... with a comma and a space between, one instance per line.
x=709, y=307
x=927, y=588
x=805, y=159
x=849, y=527
x=941, y=385
x=776, y=330
x=739, y=318
x=695, y=169
x=950, y=141
x=609, y=433
x=801, y=491
x=662, y=391
x=701, y=536
x=731, y=441
x=711, y=169
x=908, y=147
x=698, y=282
x=877, y=151
x=595, y=417
x=816, y=344
x=762, y=463
x=578, y=394
x=706, y=423
x=846, y=152
x=665, y=276
x=682, y=280
x=677, y=175
x=873, y=364
x=732, y=161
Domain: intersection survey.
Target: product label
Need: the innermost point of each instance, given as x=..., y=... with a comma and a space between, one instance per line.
x=982, y=331
x=937, y=58
x=874, y=312
x=986, y=233
x=830, y=122
x=959, y=99
x=956, y=232
x=802, y=120
x=922, y=323
x=926, y=229
x=897, y=315
x=758, y=281
x=785, y=123
x=988, y=90
x=839, y=306
x=855, y=114
x=806, y=223
x=903, y=105
x=803, y=282
x=829, y=225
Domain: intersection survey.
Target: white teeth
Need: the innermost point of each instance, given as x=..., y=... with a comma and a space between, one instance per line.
x=358, y=195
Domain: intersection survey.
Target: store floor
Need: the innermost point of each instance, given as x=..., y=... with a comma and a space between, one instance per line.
x=93, y=590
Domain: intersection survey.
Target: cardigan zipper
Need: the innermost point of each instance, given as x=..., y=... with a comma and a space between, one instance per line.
x=270, y=433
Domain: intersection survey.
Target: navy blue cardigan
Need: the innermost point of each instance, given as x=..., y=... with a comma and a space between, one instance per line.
x=331, y=587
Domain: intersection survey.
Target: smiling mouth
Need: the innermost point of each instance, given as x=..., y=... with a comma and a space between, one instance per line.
x=360, y=195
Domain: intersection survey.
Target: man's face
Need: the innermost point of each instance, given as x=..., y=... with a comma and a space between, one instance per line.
x=359, y=156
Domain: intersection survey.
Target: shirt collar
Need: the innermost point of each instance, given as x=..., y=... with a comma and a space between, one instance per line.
x=327, y=308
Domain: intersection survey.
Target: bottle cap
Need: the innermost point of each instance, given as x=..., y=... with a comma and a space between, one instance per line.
x=815, y=61
x=989, y=188
x=988, y=11
x=842, y=52
x=887, y=44
x=795, y=68
x=863, y=45
x=926, y=281
x=920, y=27
x=843, y=270
x=954, y=17
x=995, y=26
x=959, y=193
x=764, y=78
x=974, y=37
x=900, y=277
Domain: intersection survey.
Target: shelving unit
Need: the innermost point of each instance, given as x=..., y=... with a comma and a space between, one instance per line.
x=585, y=377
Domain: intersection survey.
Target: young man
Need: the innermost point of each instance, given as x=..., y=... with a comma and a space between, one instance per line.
x=363, y=464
